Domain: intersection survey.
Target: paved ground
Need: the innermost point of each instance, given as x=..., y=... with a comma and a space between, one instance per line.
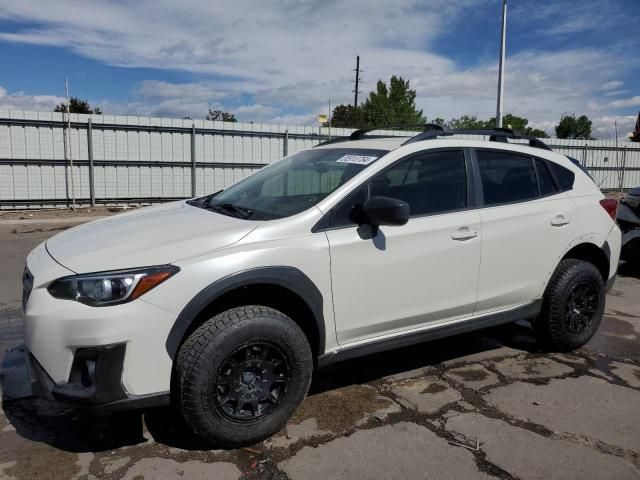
x=475, y=406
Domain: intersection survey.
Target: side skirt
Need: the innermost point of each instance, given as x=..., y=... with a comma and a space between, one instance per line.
x=528, y=311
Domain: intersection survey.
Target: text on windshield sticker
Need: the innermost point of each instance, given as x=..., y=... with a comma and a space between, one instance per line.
x=357, y=159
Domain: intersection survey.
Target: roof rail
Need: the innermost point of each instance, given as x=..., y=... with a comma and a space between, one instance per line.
x=361, y=134
x=494, y=134
x=432, y=131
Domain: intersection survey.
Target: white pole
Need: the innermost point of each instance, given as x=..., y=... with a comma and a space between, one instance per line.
x=615, y=125
x=70, y=156
x=503, y=44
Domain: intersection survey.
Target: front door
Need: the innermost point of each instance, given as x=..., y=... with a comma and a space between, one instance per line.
x=407, y=277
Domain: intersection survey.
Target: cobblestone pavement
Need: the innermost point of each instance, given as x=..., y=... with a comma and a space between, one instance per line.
x=483, y=405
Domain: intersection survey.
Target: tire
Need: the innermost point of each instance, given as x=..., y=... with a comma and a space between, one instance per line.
x=242, y=374
x=572, y=306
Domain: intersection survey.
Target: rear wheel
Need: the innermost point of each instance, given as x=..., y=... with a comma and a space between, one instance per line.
x=242, y=374
x=572, y=307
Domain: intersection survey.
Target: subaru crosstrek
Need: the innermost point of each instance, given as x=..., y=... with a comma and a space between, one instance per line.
x=223, y=305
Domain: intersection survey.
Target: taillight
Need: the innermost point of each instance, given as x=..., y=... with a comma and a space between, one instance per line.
x=610, y=205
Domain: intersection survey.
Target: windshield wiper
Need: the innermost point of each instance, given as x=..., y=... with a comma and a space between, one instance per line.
x=230, y=207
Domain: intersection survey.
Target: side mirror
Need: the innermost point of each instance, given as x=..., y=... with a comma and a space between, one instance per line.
x=386, y=211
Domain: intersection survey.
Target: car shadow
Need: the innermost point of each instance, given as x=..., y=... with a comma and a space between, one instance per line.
x=72, y=430
x=627, y=269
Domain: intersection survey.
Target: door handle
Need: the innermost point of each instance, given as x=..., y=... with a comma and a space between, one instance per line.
x=560, y=221
x=464, y=233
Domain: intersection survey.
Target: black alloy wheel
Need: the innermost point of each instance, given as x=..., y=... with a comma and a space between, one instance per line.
x=581, y=307
x=572, y=306
x=240, y=376
x=252, y=381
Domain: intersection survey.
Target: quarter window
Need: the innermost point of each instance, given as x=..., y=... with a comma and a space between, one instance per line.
x=564, y=176
x=547, y=186
x=506, y=178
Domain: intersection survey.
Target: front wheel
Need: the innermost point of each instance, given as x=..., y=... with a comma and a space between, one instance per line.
x=242, y=374
x=572, y=307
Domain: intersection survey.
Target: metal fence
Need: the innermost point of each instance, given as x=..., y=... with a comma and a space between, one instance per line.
x=141, y=159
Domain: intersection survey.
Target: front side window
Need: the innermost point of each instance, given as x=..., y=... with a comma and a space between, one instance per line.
x=506, y=177
x=293, y=184
x=431, y=183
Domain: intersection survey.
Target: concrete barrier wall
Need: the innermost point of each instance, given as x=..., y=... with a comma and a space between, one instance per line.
x=144, y=159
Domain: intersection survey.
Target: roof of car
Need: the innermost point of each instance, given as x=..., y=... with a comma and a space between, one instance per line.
x=391, y=143
x=385, y=143
x=406, y=134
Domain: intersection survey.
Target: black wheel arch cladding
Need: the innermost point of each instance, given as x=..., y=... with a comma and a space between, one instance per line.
x=286, y=277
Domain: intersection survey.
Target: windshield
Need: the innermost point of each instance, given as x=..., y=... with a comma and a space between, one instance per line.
x=292, y=184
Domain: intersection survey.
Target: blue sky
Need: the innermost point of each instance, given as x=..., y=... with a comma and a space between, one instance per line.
x=281, y=61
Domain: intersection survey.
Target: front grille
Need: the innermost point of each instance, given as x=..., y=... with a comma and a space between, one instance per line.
x=27, y=286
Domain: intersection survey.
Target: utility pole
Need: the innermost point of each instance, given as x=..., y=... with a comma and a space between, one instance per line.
x=503, y=38
x=355, y=100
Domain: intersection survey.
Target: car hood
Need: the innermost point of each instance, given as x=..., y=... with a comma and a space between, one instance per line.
x=149, y=236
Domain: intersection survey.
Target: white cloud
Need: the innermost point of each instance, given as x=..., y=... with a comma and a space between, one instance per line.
x=172, y=107
x=575, y=24
x=614, y=93
x=275, y=58
x=627, y=102
x=604, y=127
x=160, y=89
x=612, y=85
x=555, y=18
x=22, y=101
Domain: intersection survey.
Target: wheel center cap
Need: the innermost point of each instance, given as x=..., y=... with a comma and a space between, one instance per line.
x=248, y=378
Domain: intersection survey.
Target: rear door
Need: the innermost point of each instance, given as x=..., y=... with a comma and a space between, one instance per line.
x=527, y=223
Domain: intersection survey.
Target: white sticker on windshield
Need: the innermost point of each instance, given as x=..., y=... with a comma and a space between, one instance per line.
x=357, y=159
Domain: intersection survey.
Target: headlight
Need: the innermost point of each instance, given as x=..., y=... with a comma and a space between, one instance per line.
x=110, y=288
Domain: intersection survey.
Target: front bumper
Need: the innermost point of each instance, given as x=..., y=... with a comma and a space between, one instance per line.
x=94, y=384
x=94, y=356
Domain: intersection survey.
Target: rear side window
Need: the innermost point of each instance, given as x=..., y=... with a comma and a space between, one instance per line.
x=564, y=176
x=547, y=185
x=506, y=177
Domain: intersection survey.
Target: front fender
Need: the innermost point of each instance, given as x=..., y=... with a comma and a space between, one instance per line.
x=288, y=277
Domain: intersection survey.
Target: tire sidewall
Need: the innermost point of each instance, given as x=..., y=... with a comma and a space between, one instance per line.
x=198, y=383
x=579, y=272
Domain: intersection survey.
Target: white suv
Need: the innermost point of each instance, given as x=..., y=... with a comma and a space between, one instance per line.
x=223, y=305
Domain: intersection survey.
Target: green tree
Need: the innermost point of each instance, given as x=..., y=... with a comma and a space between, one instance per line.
x=572, y=127
x=519, y=124
x=346, y=116
x=220, y=116
x=467, y=122
x=393, y=105
x=77, y=105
